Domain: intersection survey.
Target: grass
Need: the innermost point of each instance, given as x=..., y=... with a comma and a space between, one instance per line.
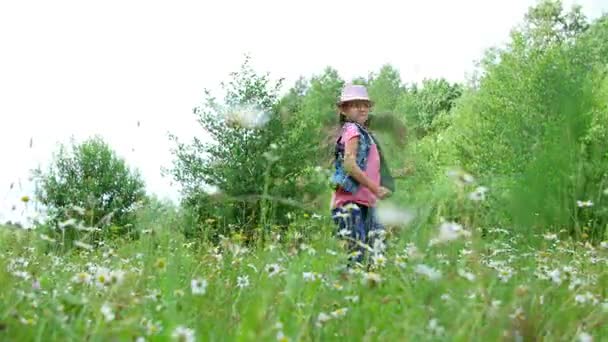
x=296, y=288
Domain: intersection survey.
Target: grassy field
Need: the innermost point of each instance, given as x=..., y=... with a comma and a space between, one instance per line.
x=460, y=287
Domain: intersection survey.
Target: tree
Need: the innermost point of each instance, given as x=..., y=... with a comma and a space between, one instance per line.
x=422, y=105
x=90, y=179
x=255, y=155
x=385, y=89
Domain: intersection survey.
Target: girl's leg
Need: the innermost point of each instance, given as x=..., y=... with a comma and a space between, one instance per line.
x=350, y=221
x=376, y=233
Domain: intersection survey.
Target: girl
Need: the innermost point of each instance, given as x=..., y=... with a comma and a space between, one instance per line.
x=357, y=175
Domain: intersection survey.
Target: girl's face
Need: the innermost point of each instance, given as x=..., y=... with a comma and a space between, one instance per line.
x=356, y=111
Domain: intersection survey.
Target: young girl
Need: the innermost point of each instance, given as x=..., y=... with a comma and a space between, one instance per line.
x=357, y=175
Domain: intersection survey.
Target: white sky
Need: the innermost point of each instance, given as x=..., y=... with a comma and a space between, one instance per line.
x=78, y=68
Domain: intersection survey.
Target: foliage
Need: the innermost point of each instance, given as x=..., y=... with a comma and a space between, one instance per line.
x=255, y=158
x=91, y=182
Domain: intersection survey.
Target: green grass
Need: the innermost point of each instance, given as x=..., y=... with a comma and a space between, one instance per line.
x=404, y=305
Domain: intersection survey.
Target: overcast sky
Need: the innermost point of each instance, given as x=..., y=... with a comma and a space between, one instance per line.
x=79, y=68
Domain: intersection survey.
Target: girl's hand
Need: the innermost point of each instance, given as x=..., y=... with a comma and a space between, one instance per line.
x=383, y=192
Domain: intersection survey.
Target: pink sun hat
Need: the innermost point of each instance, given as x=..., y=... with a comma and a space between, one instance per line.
x=352, y=92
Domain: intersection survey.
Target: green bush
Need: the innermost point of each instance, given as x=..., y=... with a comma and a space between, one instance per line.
x=258, y=155
x=92, y=185
x=533, y=130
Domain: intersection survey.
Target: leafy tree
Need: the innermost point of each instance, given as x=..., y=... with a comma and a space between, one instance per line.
x=422, y=105
x=255, y=158
x=385, y=88
x=90, y=177
x=521, y=130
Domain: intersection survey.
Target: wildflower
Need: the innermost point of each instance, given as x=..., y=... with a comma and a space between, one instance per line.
x=518, y=314
x=102, y=277
x=379, y=260
x=107, y=312
x=83, y=245
x=449, y=231
x=505, y=273
x=460, y=177
x=310, y=276
x=322, y=319
x=116, y=277
x=109, y=253
x=242, y=281
x=82, y=278
x=152, y=328
x=339, y=313
x=273, y=269
x=584, y=204
x=412, y=251
x=587, y=297
x=371, y=279
x=429, y=272
x=78, y=210
x=27, y=321
x=344, y=233
x=479, y=194
x=467, y=275
x=281, y=337
x=378, y=245
x=585, y=337
x=493, y=310
x=352, y=299
x=183, y=334
x=550, y=236
x=435, y=328
x=161, y=264
x=198, y=286
x=36, y=285
x=555, y=276
x=400, y=261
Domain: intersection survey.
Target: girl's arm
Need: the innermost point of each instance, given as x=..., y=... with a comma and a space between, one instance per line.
x=350, y=165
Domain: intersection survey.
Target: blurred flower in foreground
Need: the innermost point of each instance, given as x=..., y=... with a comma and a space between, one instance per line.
x=449, y=231
x=391, y=215
x=247, y=117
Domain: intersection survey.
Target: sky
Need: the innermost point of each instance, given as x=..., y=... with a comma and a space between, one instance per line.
x=74, y=69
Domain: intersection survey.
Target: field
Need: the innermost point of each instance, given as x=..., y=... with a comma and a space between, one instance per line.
x=296, y=288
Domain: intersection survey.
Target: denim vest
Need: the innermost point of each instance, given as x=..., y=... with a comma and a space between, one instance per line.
x=340, y=177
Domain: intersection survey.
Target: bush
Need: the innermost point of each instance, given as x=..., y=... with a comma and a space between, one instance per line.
x=533, y=128
x=91, y=184
x=256, y=156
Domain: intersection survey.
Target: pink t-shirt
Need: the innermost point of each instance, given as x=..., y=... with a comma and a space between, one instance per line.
x=363, y=196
